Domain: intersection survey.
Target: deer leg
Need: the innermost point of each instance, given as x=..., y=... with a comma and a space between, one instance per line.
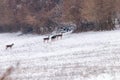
x=57, y=38
x=46, y=41
x=61, y=37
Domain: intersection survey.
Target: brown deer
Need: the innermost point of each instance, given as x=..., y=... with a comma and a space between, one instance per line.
x=9, y=46
x=59, y=36
x=46, y=39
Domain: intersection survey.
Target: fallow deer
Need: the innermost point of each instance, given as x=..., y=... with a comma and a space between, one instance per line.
x=59, y=36
x=53, y=37
x=9, y=46
x=46, y=39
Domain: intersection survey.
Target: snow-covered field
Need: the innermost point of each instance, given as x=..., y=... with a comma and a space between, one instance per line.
x=84, y=56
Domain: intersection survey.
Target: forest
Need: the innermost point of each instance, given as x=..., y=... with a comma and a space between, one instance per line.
x=46, y=16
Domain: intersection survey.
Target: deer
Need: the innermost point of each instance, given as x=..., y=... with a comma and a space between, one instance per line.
x=9, y=46
x=59, y=36
x=53, y=37
x=46, y=39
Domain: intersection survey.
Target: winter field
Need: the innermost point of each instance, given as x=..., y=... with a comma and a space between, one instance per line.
x=83, y=56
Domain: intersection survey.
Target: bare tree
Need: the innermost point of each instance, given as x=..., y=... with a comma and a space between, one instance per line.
x=76, y=11
x=105, y=10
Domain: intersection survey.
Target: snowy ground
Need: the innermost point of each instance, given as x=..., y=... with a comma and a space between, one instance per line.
x=84, y=56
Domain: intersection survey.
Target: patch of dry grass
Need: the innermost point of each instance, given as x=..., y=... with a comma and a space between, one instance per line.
x=8, y=72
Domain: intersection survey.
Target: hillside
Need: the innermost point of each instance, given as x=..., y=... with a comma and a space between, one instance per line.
x=85, y=56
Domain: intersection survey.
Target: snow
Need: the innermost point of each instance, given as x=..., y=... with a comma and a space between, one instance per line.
x=83, y=56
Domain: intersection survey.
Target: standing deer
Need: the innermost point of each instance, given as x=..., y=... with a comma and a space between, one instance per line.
x=46, y=39
x=53, y=37
x=59, y=36
x=9, y=46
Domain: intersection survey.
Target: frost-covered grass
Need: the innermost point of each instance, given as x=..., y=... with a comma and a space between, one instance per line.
x=84, y=56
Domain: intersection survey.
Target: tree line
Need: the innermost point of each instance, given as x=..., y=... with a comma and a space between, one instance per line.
x=45, y=16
